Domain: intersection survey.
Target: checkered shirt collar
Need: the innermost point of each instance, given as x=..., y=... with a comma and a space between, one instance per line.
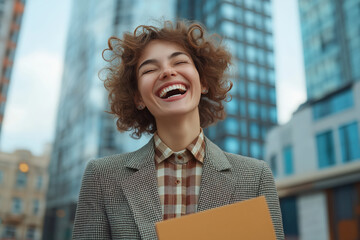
x=196, y=147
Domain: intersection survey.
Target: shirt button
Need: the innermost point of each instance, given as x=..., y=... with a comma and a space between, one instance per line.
x=179, y=157
x=177, y=181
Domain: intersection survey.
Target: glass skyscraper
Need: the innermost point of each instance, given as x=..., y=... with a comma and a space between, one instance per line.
x=246, y=26
x=331, y=44
x=83, y=130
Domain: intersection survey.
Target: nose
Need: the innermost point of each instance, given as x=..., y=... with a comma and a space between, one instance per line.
x=167, y=73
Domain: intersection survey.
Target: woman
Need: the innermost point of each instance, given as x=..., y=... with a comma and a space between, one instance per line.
x=168, y=82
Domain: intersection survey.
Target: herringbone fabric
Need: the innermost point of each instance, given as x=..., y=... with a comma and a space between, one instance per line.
x=119, y=197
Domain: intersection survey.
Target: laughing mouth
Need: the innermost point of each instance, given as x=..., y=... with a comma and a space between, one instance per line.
x=172, y=91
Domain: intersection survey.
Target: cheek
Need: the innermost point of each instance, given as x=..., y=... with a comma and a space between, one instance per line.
x=144, y=86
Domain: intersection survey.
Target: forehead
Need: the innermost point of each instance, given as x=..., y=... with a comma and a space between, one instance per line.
x=158, y=49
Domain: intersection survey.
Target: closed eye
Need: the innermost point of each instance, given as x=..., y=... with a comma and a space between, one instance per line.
x=148, y=71
x=181, y=62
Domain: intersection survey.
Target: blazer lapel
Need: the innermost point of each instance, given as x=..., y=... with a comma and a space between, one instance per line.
x=141, y=191
x=217, y=181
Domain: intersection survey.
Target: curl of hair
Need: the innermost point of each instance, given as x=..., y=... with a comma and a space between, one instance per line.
x=210, y=59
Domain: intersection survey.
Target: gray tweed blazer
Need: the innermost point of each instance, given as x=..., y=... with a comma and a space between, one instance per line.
x=119, y=196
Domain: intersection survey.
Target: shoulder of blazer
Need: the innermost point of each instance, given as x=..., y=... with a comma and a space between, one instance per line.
x=244, y=161
x=125, y=161
x=234, y=162
x=240, y=162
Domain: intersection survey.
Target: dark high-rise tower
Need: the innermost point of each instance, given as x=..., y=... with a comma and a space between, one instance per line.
x=247, y=29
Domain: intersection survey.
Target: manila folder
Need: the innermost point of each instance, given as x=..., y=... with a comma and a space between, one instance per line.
x=249, y=219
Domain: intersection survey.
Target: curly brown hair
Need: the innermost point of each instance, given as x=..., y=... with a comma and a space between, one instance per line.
x=210, y=59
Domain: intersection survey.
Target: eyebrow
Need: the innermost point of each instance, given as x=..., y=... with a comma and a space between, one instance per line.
x=149, y=61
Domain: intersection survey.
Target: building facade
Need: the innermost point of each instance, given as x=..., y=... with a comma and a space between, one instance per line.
x=84, y=130
x=316, y=161
x=23, y=186
x=331, y=43
x=11, y=12
x=315, y=156
x=246, y=26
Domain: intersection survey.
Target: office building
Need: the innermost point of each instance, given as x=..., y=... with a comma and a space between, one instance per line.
x=23, y=185
x=84, y=131
x=315, y=160
x=315, y=156
x=331, y=43
x=246, y=26
x=11, y=12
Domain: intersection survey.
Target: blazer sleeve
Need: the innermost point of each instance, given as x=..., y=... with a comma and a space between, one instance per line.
x=267, y=188
x=90, y=220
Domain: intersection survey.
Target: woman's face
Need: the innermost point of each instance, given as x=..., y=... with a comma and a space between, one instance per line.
x=168, y=81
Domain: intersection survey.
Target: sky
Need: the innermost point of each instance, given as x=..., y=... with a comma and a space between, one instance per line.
x=30, y=113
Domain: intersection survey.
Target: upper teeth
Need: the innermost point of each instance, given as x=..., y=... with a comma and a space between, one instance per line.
x=165, y=90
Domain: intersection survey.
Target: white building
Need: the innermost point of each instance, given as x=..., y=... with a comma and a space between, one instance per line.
x=315, y=160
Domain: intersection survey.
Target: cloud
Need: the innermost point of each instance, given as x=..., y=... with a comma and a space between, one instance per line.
x=32, y=102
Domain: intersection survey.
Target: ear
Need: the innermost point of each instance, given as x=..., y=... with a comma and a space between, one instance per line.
x=204, y=85
x=204, y=89
x=139, y=103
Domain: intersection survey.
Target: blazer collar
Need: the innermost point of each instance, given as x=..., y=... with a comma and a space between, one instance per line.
x=142, y=157
x=141, y=190
x=217, y=180
x=216, y=157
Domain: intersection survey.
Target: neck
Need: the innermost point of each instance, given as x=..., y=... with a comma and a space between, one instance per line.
x=178, y=132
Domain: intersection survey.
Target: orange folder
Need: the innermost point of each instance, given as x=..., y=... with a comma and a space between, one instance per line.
x=249, y=219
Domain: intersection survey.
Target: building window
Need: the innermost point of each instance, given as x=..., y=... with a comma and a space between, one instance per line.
x=231, y=126
x=228, y=29
x=244, y=148
x=273, y=165
x=268, y=24
x=250, y=53
x=254, y=130
x=9, y=232
x=232, y=145
x=325, y=149
x=255, y=150
x=227, y=11
x=243, y=128
x=242, y=89
x=252, y=90
x=290, y=217
x=39, y=182
x=1, y=176
x=349, y=140
x=253, y=110
x=334, y=104
x=30, y=234
x=272, y=95
x=288, y=160
x=250, y=35
x=264, y=113
x=21, y=179
x=17, y=206
x=251, y=71
x=242, y=106
x=36, y=206
x=273, y=115
x=232, y=107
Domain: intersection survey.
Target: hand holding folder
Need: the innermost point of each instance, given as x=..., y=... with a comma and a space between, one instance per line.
x=249, y=219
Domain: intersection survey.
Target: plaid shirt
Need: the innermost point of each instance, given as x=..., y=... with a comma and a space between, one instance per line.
x=179, y=176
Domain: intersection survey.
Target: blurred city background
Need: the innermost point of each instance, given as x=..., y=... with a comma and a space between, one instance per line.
x=296, y=104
